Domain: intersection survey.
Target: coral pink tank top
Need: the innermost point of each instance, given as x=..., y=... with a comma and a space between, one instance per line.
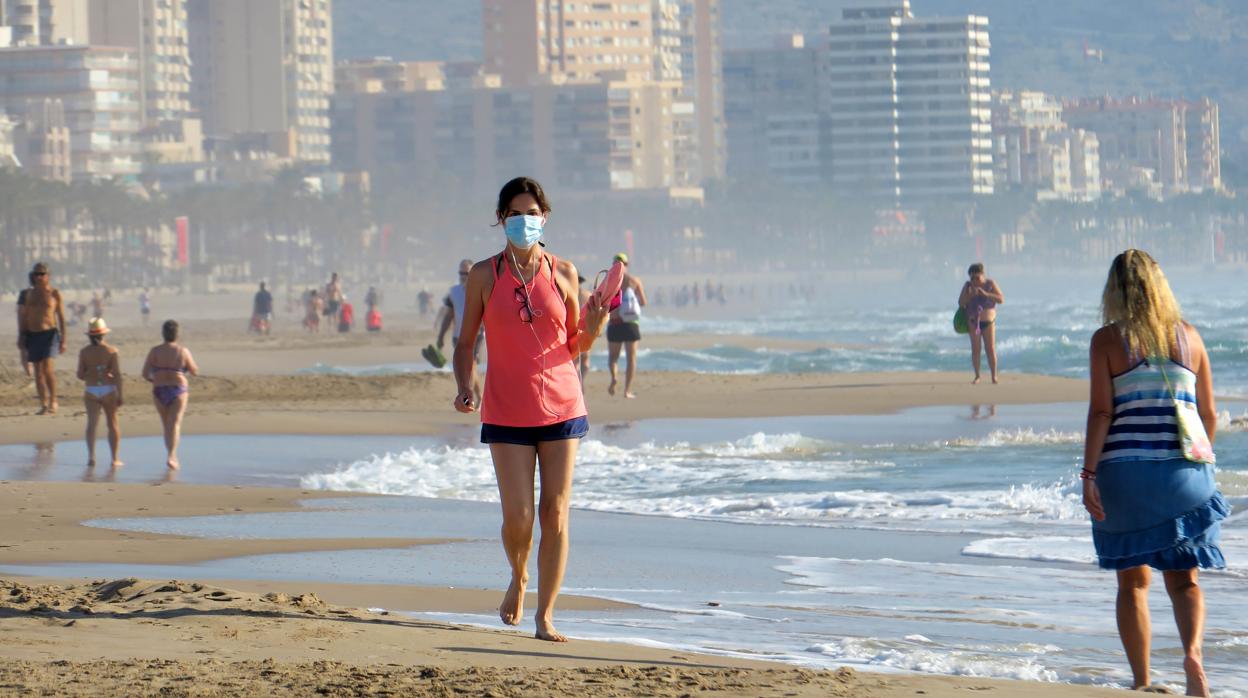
x=530, y=380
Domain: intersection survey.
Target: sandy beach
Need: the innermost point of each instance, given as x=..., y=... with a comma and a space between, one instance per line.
x=210, y=637
x=221, y=638
x=251, y=385
x=172, y=638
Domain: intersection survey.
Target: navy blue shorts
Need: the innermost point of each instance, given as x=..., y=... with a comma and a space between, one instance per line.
x=532, y=436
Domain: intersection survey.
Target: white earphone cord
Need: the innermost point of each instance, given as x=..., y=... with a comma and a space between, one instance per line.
x=541, y=350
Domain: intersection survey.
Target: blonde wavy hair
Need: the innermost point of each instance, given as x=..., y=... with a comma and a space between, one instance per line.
x=1138, y=300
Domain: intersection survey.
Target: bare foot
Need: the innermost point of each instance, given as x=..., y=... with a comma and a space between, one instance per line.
x=630, y=396
x=173, y=464
x=43, y=410
x=1197, y=683
x=116, y=464
x=546, y=631
x=611, y=388
x=91, y=462
x=511, y=610
x=52, y=408
x=976, y=381
x=995, y=381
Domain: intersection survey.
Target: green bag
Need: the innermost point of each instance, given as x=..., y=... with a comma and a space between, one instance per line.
x=960, y=325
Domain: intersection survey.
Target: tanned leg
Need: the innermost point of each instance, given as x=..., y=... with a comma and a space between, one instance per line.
x=1189, y=614
x=1134, y=626
x=557, y=459
x=93, y=420
x=613, y=358
x=514, y=466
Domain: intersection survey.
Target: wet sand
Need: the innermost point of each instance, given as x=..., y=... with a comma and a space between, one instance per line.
x=420, y=404
x=176, y=638
x=131, y=637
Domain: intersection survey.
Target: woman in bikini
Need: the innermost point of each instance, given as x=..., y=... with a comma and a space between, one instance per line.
x=99, y=367
x=533, y=413
x=980, y=297
x=166, y=368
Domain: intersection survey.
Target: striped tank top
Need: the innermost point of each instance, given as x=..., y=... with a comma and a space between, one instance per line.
x=1144, y=426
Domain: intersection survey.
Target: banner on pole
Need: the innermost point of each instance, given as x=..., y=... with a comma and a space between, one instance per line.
x=183, y=227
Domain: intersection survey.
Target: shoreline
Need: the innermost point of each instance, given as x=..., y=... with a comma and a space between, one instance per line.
x=419, y=404
x=60, y=534
x=127, y=634
x=135, y=637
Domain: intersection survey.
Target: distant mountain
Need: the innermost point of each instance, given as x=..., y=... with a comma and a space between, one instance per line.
x=1181, y=48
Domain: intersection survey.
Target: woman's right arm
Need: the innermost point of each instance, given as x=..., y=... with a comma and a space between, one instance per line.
x=82, y=367
x=147, y=368
x=964, y=298
x=21, y=324
x=1100, y=417
x=474, y=310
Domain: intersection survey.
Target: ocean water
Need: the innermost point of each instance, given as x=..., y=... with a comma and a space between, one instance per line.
x=1021, y=598
x=942, y=540
x=1035, y=335
x=1044, y=328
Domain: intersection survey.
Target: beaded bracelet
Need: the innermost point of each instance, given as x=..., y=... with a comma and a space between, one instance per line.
x=1086, y=474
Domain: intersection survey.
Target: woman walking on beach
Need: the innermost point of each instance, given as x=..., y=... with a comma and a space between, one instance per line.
x=532, y=412
x=166, y=368
x=980, y=298
x=624, y=329
x=99, y=366
x=1152, y=504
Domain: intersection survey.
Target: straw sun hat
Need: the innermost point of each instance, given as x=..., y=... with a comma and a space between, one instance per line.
x=97, y=327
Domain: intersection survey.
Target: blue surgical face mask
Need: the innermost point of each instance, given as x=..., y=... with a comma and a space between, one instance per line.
x=524, y=231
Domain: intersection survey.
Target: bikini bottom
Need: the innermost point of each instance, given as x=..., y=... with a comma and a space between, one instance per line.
x=169, y=394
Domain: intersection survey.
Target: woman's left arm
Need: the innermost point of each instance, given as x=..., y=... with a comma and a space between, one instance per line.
x=994, y=293
x=114, y=370
x=1206, y=403
x=579, y=342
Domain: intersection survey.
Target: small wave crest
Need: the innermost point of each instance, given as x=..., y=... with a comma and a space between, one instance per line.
x=1023, y=436
x=762, y=478
x=912, y=655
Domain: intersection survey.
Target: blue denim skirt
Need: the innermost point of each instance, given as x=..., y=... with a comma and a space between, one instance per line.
x=1166, y=514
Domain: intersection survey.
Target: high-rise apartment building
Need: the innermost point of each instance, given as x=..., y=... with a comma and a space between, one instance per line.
x=1174, y=144
x=703, y=74
x=45, y=22
x=157, y=31
x=1204, y=145
x=908, y=101
x=579, y=136
x=579, y=40
x=98, y=90
x=42, y=140
x=528, y=41
x=1034, y=149
x=263, y=72
x=770, y=97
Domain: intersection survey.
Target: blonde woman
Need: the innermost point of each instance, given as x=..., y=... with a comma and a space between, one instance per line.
x=100, y=368
x=1150, y=507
